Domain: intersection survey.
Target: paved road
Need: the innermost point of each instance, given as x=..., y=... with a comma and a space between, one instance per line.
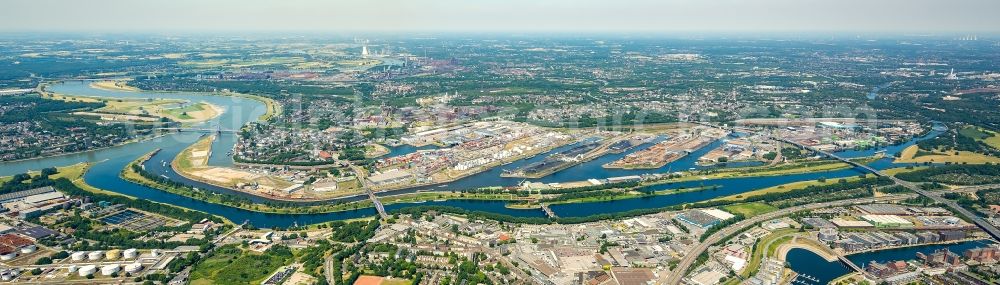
x=328, y=268
x=983, y=224
x=692, y=255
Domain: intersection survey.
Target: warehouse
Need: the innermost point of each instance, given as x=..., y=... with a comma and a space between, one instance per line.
x=390, y=177
x=704, y=218
x=887, y=221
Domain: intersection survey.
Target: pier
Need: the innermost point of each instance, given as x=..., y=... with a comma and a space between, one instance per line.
x=562, y=160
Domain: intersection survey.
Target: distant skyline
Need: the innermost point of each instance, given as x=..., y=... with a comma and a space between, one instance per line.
x=909, y=16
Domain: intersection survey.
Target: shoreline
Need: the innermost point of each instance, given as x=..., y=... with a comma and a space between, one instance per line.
x=806, y=244
x=299, y=210
x=294, y=210
x=214, y=112
x=272, y=108
x=174, y=165
x=112, y=85
x=137, y=140
x=736, y=175
x=79, y=181
x=954, y=242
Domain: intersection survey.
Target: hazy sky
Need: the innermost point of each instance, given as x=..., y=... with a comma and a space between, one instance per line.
x=501, y=15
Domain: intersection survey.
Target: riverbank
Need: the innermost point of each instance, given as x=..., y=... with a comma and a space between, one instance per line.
x=144, y=110
x=631, y=193
x=762, y=171
x=135, y=140
x=192, y=163
x=194, y=113
x=799, y=185
x=132, y=174
x=272, y=108
x=74, y=174
x=798, y=242
x=113, y=85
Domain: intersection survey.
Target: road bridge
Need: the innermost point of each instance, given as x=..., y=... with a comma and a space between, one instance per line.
x=850, y=264
x=362, y=176
x=199, y=130
x=378, y=204
x=548, y=211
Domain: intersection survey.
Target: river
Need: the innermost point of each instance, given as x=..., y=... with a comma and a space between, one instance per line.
x=240, y=110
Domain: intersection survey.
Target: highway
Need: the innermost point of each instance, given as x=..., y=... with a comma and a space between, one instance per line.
x=983, y=224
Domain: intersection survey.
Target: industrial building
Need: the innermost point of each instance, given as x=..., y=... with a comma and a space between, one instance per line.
x=704, y=218
x=887, y=221
x=390, y=177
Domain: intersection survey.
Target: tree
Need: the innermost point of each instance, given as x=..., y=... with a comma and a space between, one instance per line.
x=43, y=261
x=60, y=255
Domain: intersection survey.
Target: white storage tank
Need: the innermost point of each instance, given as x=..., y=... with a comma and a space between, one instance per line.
x=154, y=253
x=87, y=270
x=133, y=268
x=72, y=268
x=130, y=253
x=29, y=248
x=95, y=255
x=109, y=269
x=78, y=256
x=8, y=256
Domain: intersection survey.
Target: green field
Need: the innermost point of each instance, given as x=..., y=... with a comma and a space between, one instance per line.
x=758, y=253
x=232, y=265
x=912, y=155
x=975, y=133
x=186, y=112
x=988, y=137
x=750, y=209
